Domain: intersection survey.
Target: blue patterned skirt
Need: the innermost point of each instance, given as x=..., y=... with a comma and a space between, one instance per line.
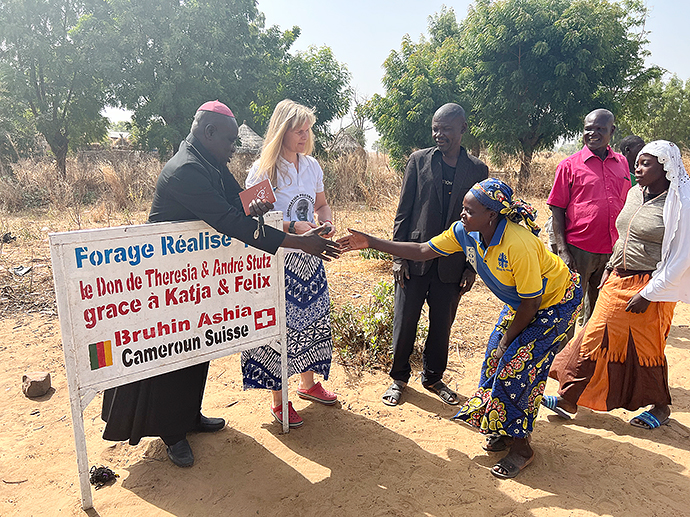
x=310, y=345
x=511, y=387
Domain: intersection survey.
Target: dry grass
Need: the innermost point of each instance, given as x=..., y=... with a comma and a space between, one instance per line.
x=239, y=166
x=544, y=166
x=123, y=180
x=366, y=178
x=107, y=192
x=356, y=177
x=543, y=172
x=104, y=192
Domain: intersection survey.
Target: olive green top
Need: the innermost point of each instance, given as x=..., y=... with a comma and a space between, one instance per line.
x=640, y=228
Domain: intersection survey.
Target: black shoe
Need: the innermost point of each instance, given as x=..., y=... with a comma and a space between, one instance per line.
x=181, y=454
x=209, y=425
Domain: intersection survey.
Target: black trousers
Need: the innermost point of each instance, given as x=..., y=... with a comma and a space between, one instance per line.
x=443, y=303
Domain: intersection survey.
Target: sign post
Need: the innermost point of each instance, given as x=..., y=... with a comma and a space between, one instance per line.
x=140, y=301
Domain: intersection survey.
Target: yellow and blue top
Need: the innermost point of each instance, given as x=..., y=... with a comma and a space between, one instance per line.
x=514, y=266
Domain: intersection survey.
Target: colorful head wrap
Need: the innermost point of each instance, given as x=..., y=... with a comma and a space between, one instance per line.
x=216, y=107
x=498, y=196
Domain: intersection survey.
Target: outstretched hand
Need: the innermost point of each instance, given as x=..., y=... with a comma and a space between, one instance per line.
x=313, y=243
x=355, y=241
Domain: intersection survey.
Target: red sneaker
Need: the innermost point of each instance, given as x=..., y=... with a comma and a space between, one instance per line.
x=318, y=393
x=295, y=419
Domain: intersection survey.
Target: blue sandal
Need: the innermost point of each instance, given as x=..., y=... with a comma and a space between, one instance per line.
x=649, y=421
x=551, y=402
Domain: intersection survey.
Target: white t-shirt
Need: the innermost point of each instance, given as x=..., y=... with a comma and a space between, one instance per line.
x=295, y=192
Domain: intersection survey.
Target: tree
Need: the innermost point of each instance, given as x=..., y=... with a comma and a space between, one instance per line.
x=665, y=112
x=163, y=59
x=49, y=72
x=359, y=122
x=170, y=57
x=418, y=79
x=534, y=68
x=17, y=133
x=313, y=78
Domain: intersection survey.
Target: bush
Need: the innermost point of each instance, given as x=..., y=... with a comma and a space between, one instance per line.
x=363, y=335
x=372, y=254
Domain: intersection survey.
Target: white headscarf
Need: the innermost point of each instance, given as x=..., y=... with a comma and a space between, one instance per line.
x=671, y=280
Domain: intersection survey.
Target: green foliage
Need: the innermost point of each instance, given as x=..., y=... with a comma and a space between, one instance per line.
x=419, y=78
x=371, y=253
x=526, y=71
x=17, y=131
x=313, y=78
x=164, y=59
x=664, y=112
x=534, y=68
x=120, y=126
x=363, y=335
x=49, y=74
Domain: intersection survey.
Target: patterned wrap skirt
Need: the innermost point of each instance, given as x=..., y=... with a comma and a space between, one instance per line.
x=617, y=360
x=308, y=318
x=511, y=387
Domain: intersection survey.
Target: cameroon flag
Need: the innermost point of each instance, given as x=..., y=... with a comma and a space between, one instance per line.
x=100, y=355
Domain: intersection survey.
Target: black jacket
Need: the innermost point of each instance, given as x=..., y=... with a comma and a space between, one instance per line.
x=420, y=211
x=193, y=185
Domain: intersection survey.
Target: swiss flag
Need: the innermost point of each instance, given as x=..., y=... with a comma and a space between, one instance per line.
x=265, y=318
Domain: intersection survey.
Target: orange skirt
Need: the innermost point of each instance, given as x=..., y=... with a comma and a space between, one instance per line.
x=617, y=360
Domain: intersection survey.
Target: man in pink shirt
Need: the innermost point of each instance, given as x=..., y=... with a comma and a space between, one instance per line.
x=588, y=193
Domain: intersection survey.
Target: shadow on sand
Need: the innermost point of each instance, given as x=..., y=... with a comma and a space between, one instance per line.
x=329, y=472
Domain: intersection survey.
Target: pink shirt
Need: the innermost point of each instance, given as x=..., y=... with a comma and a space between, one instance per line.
x=592, y=192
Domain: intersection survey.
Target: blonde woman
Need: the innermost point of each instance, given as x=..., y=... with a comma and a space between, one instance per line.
x=298, y=182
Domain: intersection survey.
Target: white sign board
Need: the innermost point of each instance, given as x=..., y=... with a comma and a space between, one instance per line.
x=139, y=301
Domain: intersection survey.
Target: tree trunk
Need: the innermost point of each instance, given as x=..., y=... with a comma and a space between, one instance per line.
x=59, y=145
x=525, y=168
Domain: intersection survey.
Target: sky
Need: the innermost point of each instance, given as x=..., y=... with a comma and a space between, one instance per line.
x=363, y=33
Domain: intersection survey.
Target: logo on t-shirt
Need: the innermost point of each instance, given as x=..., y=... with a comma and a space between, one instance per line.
x=503, y=262
x=303, y=206
x=472, y=257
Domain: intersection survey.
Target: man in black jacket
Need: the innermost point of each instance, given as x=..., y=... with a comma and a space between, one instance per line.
x=435, y=183
x=195, y=184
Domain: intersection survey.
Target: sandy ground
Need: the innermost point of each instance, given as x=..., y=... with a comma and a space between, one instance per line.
x=358, y=458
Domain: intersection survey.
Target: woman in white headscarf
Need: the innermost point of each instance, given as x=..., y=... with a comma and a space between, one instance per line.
x=617, y=360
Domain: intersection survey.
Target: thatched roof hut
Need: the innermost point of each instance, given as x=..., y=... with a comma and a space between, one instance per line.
x=345, y=143
x=250, y=142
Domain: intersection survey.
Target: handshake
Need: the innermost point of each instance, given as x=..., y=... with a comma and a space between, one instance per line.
x=313, y=242
x=310, y=238
x=303, y=235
